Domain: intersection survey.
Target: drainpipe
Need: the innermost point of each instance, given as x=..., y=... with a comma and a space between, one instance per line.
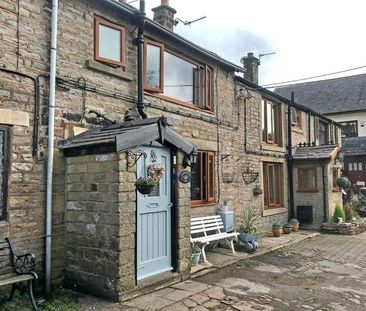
x=309, y=128
x=289, y=157
x=140, y=61
x=324, y=194
x=51, y=134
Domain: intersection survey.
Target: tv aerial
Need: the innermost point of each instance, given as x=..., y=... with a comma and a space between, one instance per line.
x=187, y=23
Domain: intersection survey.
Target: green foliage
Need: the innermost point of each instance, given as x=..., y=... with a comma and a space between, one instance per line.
x=348, y=210
x=287, y=225
x=294, y=221
x=146, y=181
x=62, y=300
x=195, y=249
x=277, y=225
x=343, y=182
x=338, y=213
x=250, y=220
x=357, y=204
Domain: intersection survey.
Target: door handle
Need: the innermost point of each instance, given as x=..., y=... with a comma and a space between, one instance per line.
x=170, y=204
x=152, y=204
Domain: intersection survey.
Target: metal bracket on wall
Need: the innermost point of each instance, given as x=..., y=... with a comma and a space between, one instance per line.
x=132, y=158
x=249, y=176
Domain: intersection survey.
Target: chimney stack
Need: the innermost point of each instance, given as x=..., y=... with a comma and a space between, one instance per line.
x=164, y=15
x=251, y=64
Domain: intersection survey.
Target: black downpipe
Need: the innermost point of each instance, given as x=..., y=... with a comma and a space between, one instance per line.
x=290, y=158
x=140, y=61
x=324, y=194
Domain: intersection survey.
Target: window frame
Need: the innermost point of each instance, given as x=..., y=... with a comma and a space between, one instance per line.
x=300, y=187
x=207, y=105
x=297, y=113
x=326, y=127
x=343, y=123
x=266, y=186
x=5, y=182
x=101, y=21
x=211, y=176
x=277, y=125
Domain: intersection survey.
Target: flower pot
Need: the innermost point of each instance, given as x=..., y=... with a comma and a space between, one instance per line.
x=287, y=229
x=247, y=237
x=277, y=232
x=295, y=227
x=145, y=189
x=195, y=259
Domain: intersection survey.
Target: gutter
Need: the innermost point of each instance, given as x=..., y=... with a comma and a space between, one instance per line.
x=50, y=149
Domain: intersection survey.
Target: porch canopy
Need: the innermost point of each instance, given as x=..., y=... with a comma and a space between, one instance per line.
x=314, y=153
x=126, y=135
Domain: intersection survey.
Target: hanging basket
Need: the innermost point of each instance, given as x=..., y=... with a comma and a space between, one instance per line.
x=145, y=189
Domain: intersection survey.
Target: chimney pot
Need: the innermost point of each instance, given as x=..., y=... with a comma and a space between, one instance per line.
x=251, y=64
x=164, y=15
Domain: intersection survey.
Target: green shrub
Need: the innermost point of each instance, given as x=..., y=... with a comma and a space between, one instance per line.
x=294, y=221
x=348, y=210
x=338, y=213
x=277, y=225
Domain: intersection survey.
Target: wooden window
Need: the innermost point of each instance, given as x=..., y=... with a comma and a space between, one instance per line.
x=273, y=185
x=176, y=78
x=109, y=42
x=4, y=165
x=307, y=179
x=296, y=117
x=271, y=123
x=349, y=128
x=323, y=133
x=203, y=179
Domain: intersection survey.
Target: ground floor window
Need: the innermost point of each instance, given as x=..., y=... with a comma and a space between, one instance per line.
x=3, y=169
x=307, y=179
x=273, y=185
x=203, y=178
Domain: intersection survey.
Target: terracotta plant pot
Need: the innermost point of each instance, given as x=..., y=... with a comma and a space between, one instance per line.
x=277, y=232
x=295, y=227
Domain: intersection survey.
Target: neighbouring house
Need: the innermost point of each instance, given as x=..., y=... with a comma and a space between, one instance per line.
x=344, y=101
x=218, y=135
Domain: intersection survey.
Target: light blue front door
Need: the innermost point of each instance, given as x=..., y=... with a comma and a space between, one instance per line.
x=154, y=217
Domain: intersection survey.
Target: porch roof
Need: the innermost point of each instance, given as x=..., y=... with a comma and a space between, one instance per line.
x=323, y=152
x=129, y=134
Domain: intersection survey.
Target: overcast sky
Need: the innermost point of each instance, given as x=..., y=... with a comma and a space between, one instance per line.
x=310, y=37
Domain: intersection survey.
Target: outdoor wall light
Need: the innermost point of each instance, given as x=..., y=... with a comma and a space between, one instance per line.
x=191, y=160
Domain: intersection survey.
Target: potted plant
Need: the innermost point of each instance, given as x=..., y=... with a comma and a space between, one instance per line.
x=195, y=254
x=155, y=172
x=277, y=229
x=295, y=224
x=287, y=228
x=249, y=227
x=145, y=185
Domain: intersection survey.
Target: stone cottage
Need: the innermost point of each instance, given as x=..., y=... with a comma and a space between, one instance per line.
x=184, y=101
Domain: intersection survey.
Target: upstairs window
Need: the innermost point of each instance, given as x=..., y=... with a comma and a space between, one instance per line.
x=323, y=133
x=109, y=42
x=271, y=123
x=307, y=179
x=203, y=179
x=349, y=128
x=4, y=164
x=296, y=117
x=177, y=78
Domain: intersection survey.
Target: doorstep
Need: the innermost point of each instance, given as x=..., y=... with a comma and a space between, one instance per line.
x=221, y=257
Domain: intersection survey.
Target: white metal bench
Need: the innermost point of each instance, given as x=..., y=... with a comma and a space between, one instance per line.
x=209, y=229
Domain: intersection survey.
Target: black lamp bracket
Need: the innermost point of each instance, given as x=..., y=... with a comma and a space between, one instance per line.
x=132, y=157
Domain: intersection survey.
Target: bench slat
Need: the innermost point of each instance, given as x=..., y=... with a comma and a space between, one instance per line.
x=195, y=231
x=15, y=279
x=205, y=217
x=215, y=237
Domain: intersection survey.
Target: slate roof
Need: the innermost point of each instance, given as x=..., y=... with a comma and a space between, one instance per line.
x=322, y=152
x=127, y=135
x=354, y=146
x=330, y=96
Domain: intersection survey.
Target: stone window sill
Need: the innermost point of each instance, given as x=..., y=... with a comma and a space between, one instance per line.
x=273, y=148
x=297, y=129
x=115, y=72
x=274, y=211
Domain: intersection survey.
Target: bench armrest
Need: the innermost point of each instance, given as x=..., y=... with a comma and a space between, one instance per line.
x=24, y=264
